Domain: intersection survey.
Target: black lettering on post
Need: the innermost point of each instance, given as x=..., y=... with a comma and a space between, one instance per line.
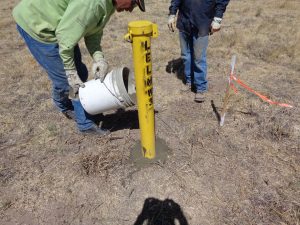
x=150, y=92
x=148, y=57
x=151, y=101
x=146, y=46
x=149, y=81
x=148, y=70
x=148, y=78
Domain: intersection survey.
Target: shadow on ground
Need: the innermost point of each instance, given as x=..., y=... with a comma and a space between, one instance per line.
x=120, y=120
x=215, y=110
x=157, y=212
x=176, y=66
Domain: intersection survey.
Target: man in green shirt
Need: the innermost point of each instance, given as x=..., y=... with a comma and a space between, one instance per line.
x=52, y=30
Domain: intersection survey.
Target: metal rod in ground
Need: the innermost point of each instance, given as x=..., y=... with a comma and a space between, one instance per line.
x=227, y=92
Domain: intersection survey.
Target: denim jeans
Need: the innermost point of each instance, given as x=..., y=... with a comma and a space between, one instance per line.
x=193, y=54
x=47, y=55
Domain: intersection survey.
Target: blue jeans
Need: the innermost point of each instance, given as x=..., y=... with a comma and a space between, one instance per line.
x=47, y=55
x=193, y=54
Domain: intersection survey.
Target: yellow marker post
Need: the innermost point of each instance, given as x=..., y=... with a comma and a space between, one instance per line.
x=139, y=34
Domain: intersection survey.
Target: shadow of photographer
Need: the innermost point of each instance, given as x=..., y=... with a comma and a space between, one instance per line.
x=157, y=212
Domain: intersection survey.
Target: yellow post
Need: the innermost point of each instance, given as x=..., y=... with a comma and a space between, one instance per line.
x=139, y=34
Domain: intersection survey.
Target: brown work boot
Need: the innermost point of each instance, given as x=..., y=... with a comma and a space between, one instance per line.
x=187, y=87
x=200, y=97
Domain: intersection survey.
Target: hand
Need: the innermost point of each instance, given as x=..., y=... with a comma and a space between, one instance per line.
x=74, y=82
x=172, y=22
x=100, y=69
x=215, y=25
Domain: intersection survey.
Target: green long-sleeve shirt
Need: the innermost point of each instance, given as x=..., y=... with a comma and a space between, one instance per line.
x=65, y=22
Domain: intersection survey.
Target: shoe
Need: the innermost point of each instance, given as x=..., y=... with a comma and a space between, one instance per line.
x=187, y=87
x=200, y=97
x=69, y=114
x=96, y=130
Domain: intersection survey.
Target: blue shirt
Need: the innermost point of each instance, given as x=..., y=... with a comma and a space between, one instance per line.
x=197, y=15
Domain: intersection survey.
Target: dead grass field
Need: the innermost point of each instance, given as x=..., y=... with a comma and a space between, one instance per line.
x=246, y=172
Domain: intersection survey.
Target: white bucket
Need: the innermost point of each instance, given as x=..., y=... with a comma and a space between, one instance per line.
x=116, y=91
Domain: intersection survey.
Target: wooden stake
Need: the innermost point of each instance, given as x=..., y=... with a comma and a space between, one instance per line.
x=227, y=92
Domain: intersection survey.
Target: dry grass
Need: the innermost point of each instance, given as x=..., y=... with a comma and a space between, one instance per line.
x=246, y=172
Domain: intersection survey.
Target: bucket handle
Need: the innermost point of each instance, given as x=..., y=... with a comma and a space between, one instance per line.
x=120, y=99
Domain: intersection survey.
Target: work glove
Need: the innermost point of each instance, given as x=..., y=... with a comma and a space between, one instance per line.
x=172, y=23
x=100, y=68
x=215, y=25
x=74, y=82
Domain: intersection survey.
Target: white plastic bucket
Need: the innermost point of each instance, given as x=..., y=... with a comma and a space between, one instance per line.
x=116, y=91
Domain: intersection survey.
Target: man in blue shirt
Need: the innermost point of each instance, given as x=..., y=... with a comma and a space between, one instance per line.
x=197, y=19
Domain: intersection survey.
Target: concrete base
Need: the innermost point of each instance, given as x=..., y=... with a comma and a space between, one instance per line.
x=161, y=151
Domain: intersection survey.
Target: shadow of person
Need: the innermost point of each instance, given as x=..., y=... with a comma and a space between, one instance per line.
x=176, y=66
x=157, y=212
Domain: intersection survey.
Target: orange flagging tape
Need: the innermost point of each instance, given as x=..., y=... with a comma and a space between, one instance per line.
x=264, y=98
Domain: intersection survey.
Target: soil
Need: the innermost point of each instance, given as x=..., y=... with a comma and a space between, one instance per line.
x=246, y=172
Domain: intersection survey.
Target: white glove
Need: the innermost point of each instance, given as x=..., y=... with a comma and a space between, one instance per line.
x=74, y=82
x=100, y=69
x=216, y=24
x=172, y=23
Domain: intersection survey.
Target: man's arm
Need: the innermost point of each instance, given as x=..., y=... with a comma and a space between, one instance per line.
x=172, y=14
x=93, y=40
x=93, y=44
x=103, y=10
x=174, y=7
x=220, y=8
x=72, y=27
x=100, y=66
